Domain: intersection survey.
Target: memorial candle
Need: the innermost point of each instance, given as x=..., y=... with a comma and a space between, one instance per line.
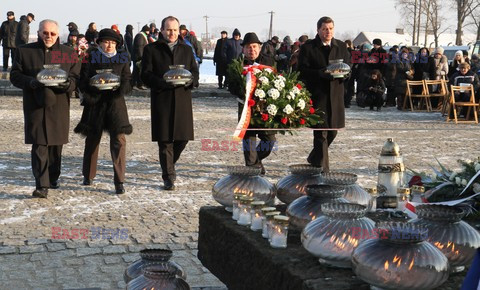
x=256, y=215
x=244, y=217
x=266, y=210
x=279, y=232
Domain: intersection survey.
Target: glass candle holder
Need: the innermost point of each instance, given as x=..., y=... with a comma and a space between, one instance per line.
x=266, y=210
x=372, y=204
x=267, y=225
x=403, y=196
x=244, y=218
x=418, y=193
x=279, y=232
x=235, y=205
x=256, y=215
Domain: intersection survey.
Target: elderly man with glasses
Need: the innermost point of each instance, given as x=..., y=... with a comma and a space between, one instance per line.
x=46, y=108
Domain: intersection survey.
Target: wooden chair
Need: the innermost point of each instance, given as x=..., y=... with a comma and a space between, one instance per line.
x=442, y=94
x=423, y=97
x=470, y=104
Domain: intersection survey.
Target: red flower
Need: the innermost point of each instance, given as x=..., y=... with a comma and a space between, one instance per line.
x=416, y=180
x=264, y=117
x=311, y=102
x=284, y=121
x=245, y=72
x=299, y=86
x=312, y=110
x=251, y=103
x=302, y=121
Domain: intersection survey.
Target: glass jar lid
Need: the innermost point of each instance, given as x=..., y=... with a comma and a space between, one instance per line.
x=304, y=169
x=244, y=170
x=403, y=190
x=257, y=204
x=246, y=200
x=271, y=215
x=339, y=178
x=372, y=191
x=325, y=190
x=281, y=219
x=418, y=188
x=268, y=209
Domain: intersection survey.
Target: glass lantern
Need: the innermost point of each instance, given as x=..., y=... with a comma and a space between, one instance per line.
x=105, y=79
x=256, y=215
x=418, y=193
x=403, y=196
x=177, y=75
x=279, y=232
x=294, y=185
x=337, y=68
x=264, y=211
x=52, y=75
x=354, y=193
x=267, y=223
x=244, y=217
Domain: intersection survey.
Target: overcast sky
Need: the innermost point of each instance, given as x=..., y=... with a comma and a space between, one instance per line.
x=291, y=17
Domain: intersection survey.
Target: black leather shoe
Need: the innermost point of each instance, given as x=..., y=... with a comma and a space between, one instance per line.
x=168, y=185
x=119, y=188
x=54, y=185
x=40, y=192
x=87, y=181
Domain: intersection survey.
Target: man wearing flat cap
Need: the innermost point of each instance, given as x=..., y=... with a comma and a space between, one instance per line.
x=253, y=151
x=8, y=30
x=105, y=110
x=46, y=108
x=23, y=29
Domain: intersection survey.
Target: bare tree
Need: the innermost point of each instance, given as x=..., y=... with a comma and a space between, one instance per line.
x=408, y=8
x=475, y=21
x=464, y=9
x=436, y=19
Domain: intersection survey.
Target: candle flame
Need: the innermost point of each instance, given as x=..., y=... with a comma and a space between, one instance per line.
x=411, y=264
x=395, y=259
x=386, y=265
x=332, y=238
x=313, y=218
x=439, y=245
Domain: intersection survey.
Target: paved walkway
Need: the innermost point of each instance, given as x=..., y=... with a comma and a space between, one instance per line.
x=31, y=259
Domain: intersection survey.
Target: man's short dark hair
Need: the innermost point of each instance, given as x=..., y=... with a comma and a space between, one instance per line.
x=168, y=18
x=324, y=19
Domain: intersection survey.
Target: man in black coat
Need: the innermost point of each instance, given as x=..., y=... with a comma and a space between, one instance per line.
x=8, y=30
x=219, y=59
x=327, y=91
x=139, y=43
x=253, y=151
x=23, y=29
x=46, y=108
x=172, y=113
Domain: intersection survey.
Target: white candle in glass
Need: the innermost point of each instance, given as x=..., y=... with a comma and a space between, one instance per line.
x=279, y=240
x=264, y=228
x=235, y=212
x=244, y=218
x=256, y=222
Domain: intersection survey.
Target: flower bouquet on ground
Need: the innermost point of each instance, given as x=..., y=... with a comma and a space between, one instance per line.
x=273, y=101
x=445, y=184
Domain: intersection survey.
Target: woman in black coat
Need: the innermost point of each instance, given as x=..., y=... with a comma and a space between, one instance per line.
x=105, y=110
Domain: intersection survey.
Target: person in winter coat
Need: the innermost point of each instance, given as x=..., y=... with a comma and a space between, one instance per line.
x=72, y=29
x=475, y=64
x=404, y=72
x=283, y=54
x=269, y=48
x=390, y=74
x=464, y=76
x=219, y=60
x=120, y=46
x=105, y=110
x=440, y=63
x=191, y=40
x=139, y=43
x=254, y=152
x=46, y=109
x=128, y=38
x=374, y=90
x=8, y=32
x=199, y=51
x=23, y=29
x=232, y=49
x=172, y=117
x=457, y=59
x=327, y=91
x=377, y=57
x=91, y=34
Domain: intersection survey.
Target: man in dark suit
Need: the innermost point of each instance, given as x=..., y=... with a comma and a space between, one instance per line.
x=172, y=116
x=46, y=109
x=327, y=91
x=219, y=59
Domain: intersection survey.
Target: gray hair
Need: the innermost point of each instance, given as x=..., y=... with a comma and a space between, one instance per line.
x=43, y=22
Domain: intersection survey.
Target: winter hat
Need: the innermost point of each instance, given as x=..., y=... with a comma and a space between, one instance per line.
x=145, y=28
x=183, y=27
x=10, y=13
x=287, y=40
x=275, y=38
x=366, y=47
x=249, y=38
x=224, y=32
x=115, y=27
x=377, y=41
x=236, y=32
x=192, y=33
x=108, y=34
x=439, y=50
x=31, y=15
x=129, y=28
x=459, y=52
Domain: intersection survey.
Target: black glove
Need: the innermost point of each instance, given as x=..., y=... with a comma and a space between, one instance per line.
x=61, y=87
x=35, y=84
x=189, y=83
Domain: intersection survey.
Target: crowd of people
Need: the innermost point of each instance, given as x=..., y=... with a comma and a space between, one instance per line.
x=380, y=79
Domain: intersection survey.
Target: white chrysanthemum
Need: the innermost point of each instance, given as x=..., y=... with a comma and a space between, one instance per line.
x=260, y=93
x=279, y=84
x=288, y=109
x=264, y=80
x=295, y=90
x=273, y=93
x=268, y=70
x=256, y=71
x=464, y=182
x=301, y=104
x=291, y=95
x=272, y=109
x=281, y=78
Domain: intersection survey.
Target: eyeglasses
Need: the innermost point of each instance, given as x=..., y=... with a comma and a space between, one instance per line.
x=46, y=33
